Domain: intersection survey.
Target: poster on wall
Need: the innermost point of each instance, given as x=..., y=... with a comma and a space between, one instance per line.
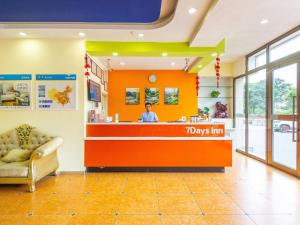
x=56, y=92
x=171, y=96
x=132, y=96
x=152, y=95
x=15, y=91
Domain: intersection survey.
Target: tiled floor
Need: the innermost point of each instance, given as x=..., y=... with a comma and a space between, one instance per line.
x=248, y=193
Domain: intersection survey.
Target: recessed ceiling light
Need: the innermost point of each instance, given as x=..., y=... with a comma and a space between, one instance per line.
x=264, y=21
x=115, y=54
x=140, y=35
x=172, y=64
x=192, y=10
x=81, y=34
x=222, y=54
x=164, y=54
x=122, y=63
x=214, y=54
x=200, y=66
x=22, y=34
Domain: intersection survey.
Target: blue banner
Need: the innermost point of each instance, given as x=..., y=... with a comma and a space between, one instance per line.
x=15, y=77
x=56, y=77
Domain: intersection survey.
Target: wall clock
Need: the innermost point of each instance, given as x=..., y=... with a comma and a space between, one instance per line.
x=152, y=78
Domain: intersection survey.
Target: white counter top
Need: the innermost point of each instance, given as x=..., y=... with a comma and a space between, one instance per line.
x=159, y=123
x=158, y=138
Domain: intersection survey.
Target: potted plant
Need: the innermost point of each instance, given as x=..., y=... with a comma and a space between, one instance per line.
x=215, y=93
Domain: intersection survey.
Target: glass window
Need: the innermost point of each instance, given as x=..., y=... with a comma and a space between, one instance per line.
x=285, y=47
x=257, y=114
x=240, y=120
x=257, y=60
x=284, y=89
x=284, y=149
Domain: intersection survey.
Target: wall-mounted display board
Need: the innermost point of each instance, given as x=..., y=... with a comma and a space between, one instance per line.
x=15, y=91
x=56, y=92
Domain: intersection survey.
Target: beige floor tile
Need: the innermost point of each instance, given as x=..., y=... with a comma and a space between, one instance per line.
x=183, y=220
x=139, y=204
x=229, y=220
x=178, y=204
x=217, y=204
x=138, y=220
x=92, y=219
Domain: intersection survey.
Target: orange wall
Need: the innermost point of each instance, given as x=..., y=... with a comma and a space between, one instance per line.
x=119, y=80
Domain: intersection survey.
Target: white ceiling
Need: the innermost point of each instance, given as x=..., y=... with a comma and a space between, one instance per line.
x=144, y=63
x=238, y=21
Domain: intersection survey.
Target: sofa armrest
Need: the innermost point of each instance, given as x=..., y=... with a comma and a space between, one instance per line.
x=47, y=148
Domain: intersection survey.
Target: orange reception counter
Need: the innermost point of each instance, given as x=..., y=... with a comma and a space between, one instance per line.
x=157, y=146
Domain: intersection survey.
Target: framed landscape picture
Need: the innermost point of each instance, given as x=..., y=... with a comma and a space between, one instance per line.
x=94, y=68
x=152, y=95
x=132, y=96
x=99, y=71
x=171, y=96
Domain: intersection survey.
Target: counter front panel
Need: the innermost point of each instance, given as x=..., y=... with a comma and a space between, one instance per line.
x=155, y=130
x=157, y=145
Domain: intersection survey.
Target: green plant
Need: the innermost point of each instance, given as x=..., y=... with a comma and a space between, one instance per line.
x=215, y=93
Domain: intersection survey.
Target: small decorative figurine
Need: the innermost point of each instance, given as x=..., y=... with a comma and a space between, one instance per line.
x=221, y=110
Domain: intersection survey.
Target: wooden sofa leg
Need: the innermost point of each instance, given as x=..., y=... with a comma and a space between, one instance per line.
x=31, y=187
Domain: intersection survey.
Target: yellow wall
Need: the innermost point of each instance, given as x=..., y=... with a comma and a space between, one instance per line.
x=48, y=56
x=120, y=80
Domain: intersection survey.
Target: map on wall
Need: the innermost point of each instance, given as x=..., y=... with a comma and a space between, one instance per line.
x=15, y=91
x=56, y=92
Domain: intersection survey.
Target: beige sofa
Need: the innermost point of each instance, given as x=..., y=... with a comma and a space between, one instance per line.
x=42, y=152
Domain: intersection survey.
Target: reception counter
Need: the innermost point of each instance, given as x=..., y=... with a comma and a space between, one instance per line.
x=184, y=146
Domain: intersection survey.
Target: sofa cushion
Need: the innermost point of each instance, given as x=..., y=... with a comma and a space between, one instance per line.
x=8, y=141
x=15, y=169
x=16, y=155
x=36, y=139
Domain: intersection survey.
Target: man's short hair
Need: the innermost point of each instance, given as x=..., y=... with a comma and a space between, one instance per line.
x=148, y=103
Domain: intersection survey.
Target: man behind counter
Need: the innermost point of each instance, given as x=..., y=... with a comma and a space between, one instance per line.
x=148, y=116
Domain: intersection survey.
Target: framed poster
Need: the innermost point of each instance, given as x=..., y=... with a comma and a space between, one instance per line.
x=132, y=96
x=94, y=68
x=56, y=92
x=105, y=86
x=171, y=96
x=15, y=91
x=105, y=76
x=102, y=77
x=99, y=72
x=152, y=95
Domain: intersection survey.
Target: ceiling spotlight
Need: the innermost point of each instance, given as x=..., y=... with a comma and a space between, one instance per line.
x=22, y=34
x=164, y=54
x=140, y=35
x=122, y=63
x=222, y=54
x=192, y=10
x=81, y=34
x=200, y=66
x=115, y=54
x=264, y=21
x=214, y=54
x=172, y=64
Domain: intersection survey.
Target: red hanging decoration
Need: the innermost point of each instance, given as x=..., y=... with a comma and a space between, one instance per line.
x=217, y=68
x=86, y=66
x=197, y=84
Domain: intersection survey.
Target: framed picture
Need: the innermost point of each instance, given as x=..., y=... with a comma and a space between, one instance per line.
x=152, y=95
x=132, y=96
x=102, y=77
x=89, y=60
x=105, y=86
x=99, y=71
x=171, y=96
x=106, y=76
x=94, y=91
x=94, y=68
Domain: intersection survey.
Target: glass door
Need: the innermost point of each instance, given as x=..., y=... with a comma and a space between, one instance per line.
x=284, y=117
x=256, y=123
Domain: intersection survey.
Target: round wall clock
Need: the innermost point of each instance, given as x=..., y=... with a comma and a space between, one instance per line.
x=152, y=78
